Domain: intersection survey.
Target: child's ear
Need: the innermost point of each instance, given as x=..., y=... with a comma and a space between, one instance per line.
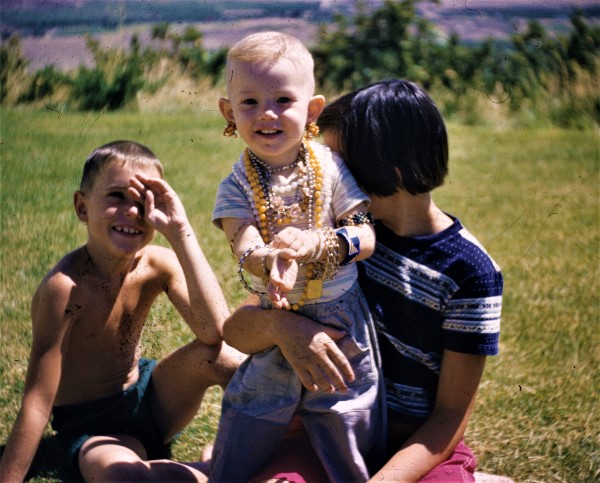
x=315, y=106
x=80, y=207
x=226, y=110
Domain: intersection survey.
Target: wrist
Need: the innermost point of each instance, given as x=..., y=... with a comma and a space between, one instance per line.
x=319, y=246
x=351, y=243
x=242, y=266
x=177, y=232
x=267, y=264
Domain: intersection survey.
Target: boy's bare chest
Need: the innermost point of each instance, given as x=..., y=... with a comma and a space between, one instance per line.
x=118, y=307
x=110, y=318
x=103, y=345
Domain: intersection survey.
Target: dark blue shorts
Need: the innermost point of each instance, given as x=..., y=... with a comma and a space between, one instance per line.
x=128, y=412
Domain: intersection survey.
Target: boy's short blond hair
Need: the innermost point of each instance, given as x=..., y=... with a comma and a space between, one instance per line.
x=266, y=48
x=128, y=152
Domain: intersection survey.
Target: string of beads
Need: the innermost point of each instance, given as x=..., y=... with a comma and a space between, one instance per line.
x=270, y=212
x=355, y=219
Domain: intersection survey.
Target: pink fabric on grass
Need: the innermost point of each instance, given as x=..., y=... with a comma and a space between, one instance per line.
x=295, y=461
x=460, y=467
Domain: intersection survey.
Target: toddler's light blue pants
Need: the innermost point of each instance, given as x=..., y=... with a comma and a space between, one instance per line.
x=265, y=393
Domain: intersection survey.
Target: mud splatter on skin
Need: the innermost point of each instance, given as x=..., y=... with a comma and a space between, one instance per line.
x=72, y=309
x=128, y=336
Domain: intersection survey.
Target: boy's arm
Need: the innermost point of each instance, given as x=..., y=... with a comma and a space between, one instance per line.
x=436, y=438
x=166, y=213
x=309, y=347
x=207, y=323
x=41, y=385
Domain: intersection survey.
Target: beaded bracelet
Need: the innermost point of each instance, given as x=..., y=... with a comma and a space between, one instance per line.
x=359, y=218
x=332, y=246
x=317, y=271
x=241, y=270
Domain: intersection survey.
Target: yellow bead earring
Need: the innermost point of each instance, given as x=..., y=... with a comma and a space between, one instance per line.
x=312, y=130
x=229, y=131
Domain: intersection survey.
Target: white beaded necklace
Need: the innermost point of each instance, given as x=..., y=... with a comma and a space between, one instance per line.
x=269, y=207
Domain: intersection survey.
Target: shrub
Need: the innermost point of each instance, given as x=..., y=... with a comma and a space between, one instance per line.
x=12, y=65
x=113, y=82
x=44, y=83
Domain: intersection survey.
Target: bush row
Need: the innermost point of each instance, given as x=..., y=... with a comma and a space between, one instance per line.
x=535, y=74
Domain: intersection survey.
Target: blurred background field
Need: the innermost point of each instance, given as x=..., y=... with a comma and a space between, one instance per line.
x=510, y=61
x=530, y=195
x=522, y=101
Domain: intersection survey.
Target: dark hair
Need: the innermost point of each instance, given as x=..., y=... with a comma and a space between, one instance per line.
x=125, y=151
x=332, y=116
x=392, y=136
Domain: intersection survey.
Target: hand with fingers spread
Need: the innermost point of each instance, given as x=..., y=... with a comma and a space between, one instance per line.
x=162, y=207
x=316, y=358
x=310, y=347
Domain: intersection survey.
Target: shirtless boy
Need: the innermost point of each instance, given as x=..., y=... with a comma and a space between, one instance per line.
x=114, y=409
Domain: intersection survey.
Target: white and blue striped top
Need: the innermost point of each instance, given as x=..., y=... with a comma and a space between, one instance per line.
x=338, y=186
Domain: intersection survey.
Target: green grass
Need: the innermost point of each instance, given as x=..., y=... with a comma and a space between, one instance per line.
x=531, y=196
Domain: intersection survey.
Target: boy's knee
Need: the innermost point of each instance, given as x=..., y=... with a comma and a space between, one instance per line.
x=123, y=471
x=112, y=458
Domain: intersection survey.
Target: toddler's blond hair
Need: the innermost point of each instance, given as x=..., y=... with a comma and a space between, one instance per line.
x=266, y=48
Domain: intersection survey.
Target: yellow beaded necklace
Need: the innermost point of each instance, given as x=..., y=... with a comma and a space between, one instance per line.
x=268, y=216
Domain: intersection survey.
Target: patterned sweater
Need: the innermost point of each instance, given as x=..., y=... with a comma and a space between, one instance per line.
x=428, y=294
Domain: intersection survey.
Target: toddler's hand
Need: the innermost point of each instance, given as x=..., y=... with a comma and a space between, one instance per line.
x=303, y=242
x=284, y=271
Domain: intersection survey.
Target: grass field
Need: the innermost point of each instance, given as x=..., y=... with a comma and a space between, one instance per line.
x=530, y=195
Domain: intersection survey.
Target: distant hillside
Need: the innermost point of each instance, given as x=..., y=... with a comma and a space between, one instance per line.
x=37, y=17
x=52, y=31
x=475, y=20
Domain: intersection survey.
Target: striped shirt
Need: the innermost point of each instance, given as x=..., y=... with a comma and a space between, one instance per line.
x=339, y=192
x=428, y=294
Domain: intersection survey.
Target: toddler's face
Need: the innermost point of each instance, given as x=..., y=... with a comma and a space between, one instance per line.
x=270, y=106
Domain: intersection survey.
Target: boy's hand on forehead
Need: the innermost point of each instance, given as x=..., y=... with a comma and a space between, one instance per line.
x=162, y=207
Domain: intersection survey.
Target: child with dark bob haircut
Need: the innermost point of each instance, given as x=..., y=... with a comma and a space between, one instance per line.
x=406, y=146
